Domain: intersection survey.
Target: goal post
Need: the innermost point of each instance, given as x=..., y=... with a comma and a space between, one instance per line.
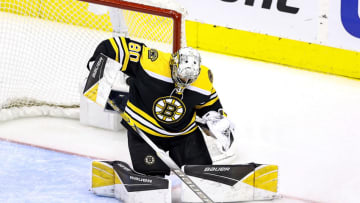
x=163, y=9
x=45, y=46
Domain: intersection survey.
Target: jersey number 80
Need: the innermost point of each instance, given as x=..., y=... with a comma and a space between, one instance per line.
x=134, y=52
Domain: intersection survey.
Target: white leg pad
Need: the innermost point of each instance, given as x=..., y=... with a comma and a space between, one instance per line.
x=232, y=183
x=133, y=187
x=117, y=179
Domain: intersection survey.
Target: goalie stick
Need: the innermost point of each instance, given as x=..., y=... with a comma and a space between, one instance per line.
x=175, y=168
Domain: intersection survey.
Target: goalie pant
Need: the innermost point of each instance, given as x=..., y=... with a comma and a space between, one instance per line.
x=184, y=150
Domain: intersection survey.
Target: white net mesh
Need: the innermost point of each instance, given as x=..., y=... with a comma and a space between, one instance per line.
x=45, y=45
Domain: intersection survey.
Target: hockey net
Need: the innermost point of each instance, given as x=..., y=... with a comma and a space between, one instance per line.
x=45, y=45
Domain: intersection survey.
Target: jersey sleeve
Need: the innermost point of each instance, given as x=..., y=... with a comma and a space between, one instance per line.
x=212, y=104
x=123, y=50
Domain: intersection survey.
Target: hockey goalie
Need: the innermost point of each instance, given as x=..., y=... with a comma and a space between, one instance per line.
x=171, y=104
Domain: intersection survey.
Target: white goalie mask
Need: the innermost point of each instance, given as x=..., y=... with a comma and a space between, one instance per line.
x=185, y=67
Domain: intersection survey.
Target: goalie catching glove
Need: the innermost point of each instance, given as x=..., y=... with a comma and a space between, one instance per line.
x=217, y=125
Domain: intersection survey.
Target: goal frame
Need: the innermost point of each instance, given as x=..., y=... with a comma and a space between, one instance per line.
x=176, y=16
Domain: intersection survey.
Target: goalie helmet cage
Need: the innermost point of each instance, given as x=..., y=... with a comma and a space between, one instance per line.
x=45, y=46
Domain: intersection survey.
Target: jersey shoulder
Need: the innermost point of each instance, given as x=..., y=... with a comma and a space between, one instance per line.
x=204, y=83
x=156, y=63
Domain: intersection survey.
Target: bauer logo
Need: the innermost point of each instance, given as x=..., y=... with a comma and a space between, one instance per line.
x=350, y=17
x=281, y=5
x=144, y=180
x=97, y=66
x=216, y=169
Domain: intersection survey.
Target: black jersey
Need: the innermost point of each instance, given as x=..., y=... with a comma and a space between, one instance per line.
x=153, y=105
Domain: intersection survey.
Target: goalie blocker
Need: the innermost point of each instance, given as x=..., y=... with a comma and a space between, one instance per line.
x=105, y=83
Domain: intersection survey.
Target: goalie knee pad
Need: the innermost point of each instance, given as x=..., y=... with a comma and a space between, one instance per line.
x=232, y=183
x=117, y=179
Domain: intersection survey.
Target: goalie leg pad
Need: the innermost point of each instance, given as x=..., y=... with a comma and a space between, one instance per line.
x=102, y=180
x=232, y=183
x=117, y=179
x=133, y=187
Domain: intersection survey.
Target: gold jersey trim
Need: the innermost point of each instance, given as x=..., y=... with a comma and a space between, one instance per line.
x=143, y=114
x=115, y=47
x=135, y=116
x=127, y=56
x=213, y=99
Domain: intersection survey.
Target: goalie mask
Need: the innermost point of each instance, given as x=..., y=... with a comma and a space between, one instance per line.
x=185, y=68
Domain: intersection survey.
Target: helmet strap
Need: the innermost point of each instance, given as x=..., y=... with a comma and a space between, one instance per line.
x=179, y=93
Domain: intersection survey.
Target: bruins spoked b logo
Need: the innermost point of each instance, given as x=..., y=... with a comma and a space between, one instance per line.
x=168, y=109
x=149, y=160
x=153, y=54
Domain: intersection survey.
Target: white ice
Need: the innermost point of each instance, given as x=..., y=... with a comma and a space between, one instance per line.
x=305, y=122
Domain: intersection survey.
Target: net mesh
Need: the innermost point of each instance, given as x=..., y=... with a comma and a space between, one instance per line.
x=45, y=45
x=151, y=25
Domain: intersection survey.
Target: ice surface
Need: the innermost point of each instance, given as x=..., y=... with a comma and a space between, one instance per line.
x=30, y=174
